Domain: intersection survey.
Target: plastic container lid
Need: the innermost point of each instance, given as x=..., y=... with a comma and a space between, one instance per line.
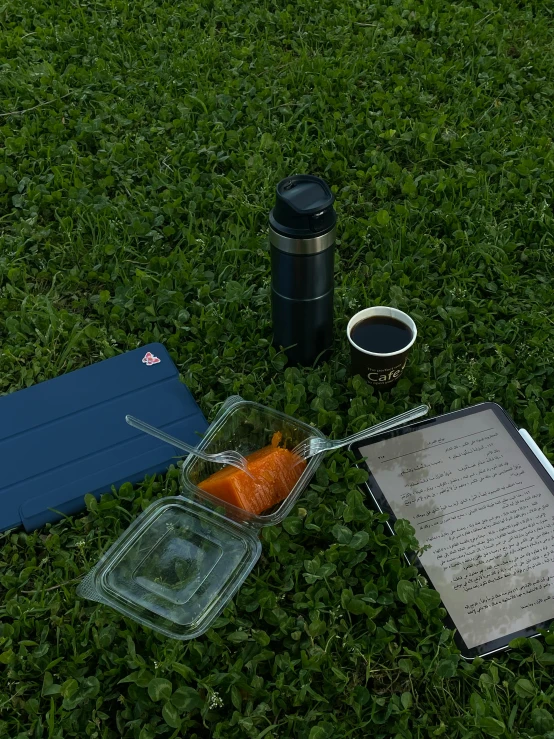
x=175, y=568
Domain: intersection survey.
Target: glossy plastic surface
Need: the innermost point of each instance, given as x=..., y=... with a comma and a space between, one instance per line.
x=175, y=568
x=178, y=565
x=245, y=427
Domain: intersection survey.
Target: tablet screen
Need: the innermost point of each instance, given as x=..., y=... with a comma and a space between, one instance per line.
x=480, y=505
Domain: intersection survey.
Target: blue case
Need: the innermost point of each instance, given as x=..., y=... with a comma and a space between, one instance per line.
x=67, y=437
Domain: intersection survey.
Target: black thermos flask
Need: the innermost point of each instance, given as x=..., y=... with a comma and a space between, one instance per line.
x=302, y=236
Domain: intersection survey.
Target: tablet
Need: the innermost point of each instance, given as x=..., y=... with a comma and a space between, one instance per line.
x=482, y=505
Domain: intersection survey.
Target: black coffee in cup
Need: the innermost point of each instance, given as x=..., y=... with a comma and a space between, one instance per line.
x=381, y=334
x=380, y=341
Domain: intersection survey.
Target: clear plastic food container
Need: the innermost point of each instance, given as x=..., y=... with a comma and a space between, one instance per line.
x=181, y=561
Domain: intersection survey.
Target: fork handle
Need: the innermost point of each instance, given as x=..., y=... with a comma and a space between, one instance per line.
x=162, y=436
x=420, y=410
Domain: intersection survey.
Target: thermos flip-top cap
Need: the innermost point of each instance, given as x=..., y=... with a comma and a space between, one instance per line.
x=303, y=207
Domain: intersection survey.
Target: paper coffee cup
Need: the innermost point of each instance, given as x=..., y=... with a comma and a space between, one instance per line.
x=381, y=370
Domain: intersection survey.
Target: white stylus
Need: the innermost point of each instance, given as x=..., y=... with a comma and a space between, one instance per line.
x=540, y=456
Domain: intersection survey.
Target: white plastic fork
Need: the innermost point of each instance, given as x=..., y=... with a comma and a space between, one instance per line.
x=316, y=445
x=228, y=457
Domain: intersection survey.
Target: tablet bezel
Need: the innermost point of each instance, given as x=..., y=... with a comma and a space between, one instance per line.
x=380, y=502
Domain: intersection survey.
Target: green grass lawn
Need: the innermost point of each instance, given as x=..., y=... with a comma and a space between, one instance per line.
x=140, y=144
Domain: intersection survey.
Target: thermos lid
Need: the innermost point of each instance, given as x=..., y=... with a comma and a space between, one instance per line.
x=303, y=207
